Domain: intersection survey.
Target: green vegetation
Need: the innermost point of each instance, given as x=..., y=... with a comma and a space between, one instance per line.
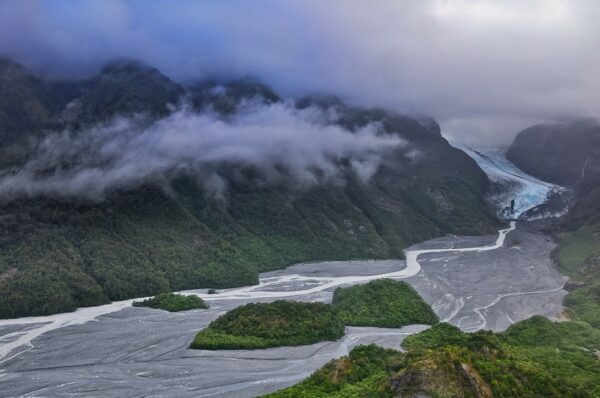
x=363, y=373
x=55, y=257
x=578, y=256
x=264, y=325
x=382, y=303
x=533, y=358
x=172, y=302
x=58, y=254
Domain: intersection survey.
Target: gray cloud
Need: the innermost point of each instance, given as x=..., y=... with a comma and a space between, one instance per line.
x=484, y=69
x=278, y=141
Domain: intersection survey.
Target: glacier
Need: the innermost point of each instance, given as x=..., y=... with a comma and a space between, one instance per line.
x=510, y=182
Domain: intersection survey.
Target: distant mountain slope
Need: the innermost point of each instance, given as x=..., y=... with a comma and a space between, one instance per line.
x=568, y=154
x=556, y=152
x=533, y=358
x=168, y=233
x=123, y=87
x=22, y=106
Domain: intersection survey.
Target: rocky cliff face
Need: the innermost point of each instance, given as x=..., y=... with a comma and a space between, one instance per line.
x=168, y=233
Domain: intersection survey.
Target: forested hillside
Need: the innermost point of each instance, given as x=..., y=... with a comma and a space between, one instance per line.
x=65, y=247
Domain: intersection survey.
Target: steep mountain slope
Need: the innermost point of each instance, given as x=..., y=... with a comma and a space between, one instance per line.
x=22, y=106
x=568, y=154
x=168, y=232
x=557, y=152
x=122, y=88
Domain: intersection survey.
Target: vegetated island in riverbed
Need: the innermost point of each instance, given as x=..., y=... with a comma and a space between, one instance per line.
x=532, y=358
x=382, y=303
x=264, y=325
x=173, y=302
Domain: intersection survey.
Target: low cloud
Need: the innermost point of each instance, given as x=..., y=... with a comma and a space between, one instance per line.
x=278, y=142
x=484, y=69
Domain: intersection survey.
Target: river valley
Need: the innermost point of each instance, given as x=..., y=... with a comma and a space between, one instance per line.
x=115, y=350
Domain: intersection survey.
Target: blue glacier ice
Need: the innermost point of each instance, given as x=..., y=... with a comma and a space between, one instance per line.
x=510, y=182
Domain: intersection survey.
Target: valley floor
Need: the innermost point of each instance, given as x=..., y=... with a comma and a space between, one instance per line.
x=472, y=282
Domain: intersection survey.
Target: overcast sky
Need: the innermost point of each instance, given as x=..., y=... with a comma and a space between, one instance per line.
x=483, y=69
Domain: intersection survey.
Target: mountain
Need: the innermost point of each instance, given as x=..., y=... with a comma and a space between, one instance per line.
x=556, y=152
x=58, y=252
x=568, y=154
x=22, y=104
x=23, y=109
x=226, y=97
x=122, y=88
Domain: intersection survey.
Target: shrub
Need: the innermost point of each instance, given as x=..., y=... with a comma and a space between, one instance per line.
x=172, y=302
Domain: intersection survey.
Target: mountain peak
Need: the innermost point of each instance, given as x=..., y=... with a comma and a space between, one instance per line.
x=131, y=68
x=226, y=97
x=126, y=87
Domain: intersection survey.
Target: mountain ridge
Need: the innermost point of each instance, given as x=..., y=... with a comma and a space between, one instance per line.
x=565, y=153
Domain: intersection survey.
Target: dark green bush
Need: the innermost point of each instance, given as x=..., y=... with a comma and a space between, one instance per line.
x=172, y=302
x=263, y=325
x=382, y=303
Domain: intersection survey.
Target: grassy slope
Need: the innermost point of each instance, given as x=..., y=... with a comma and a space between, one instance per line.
x=173, y=302
x=273, y=324
x=578, y=256
x=382, y=303
x=533, y=358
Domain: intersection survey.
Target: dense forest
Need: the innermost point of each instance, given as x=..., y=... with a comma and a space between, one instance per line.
x=532, y=358
x=169, y=233
x=379, y=303
x=263, y=325
x=383, y=303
